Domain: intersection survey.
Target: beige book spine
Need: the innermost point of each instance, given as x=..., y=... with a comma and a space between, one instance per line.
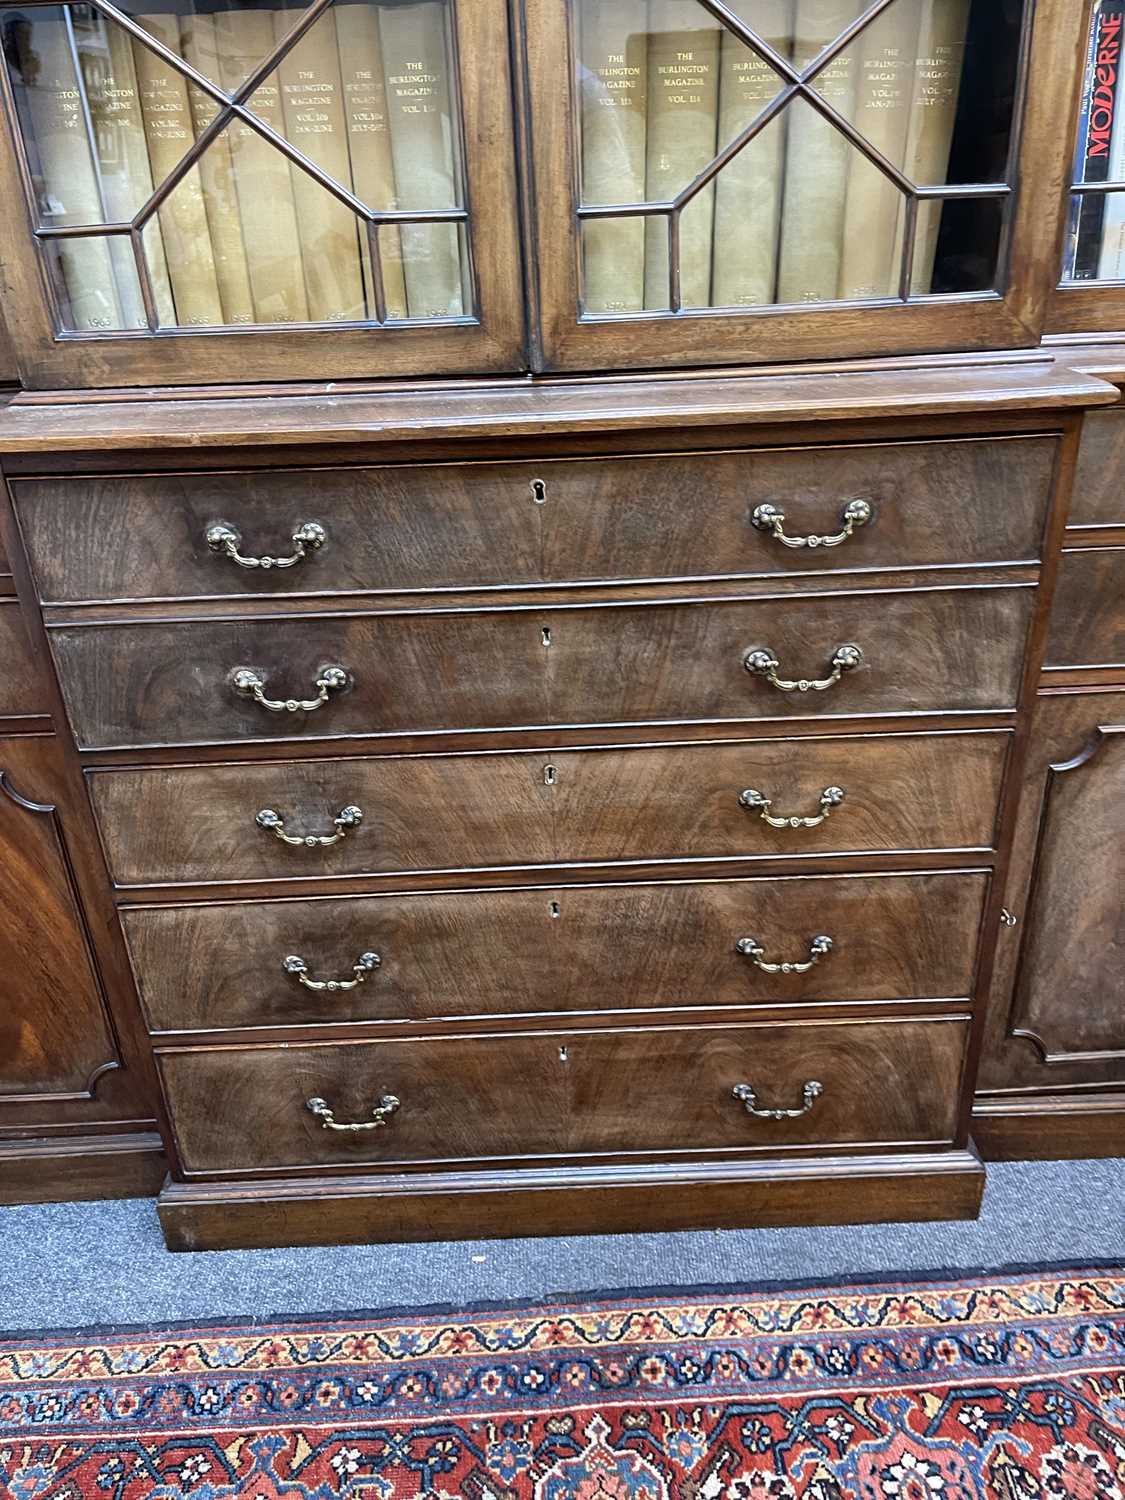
x=933, y=114
x=369, y=142
x=416, y=69
x=748, y=190
x=183, y=218
x=816, y=161
x=126, y=176
x=874, y=205
x=683, y=102
x=312, y=106
x=613, y=91
x=67, y=183
x=261, y=174
x=216, y=173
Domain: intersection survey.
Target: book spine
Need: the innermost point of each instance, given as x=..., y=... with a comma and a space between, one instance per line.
x=869, y=266
x=816, y=161
x=50, y=102
x=933, y=115
x=183, y=218
x=312, y=106
x=1071, y=250
x=1104, y=110
x=683, y=103
x=422, y=129
x=369, y=142
x=261, y=174
x=613, y=90
x=748, y=190
x=216, y=173
x=1111, y=257
x=110, y=80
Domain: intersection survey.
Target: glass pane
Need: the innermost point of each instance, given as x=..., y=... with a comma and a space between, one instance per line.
x=748, y=221
x=95, y=283
x=957, y=246
x=244, y=236
x=813, y=202
x=434, y=270
x=801, y=213
x=1096, y=240
x=613, y=264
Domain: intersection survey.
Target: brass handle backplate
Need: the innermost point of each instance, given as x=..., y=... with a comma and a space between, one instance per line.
x=308, y=536
x=747, y=1097
x=365, y=964
x=381, y=1113
x=248, y=683
x=344, y=821
x=755, y=801
x=751, y=948
x=763, y=663
x=771, y=518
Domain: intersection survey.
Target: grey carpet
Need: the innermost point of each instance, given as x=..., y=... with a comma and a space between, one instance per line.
x=75, y=1264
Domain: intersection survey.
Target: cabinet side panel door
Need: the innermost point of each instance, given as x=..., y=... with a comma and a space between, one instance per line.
x=1059, y=1004
x=55, y=1034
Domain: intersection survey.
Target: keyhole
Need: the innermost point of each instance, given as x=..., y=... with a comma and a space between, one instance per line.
x=564, y=1055
x=539, y=492
x=546, y=635
x=554, y=908
x=550, y=775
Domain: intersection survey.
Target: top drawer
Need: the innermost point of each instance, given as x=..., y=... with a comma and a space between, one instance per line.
x=471, y=525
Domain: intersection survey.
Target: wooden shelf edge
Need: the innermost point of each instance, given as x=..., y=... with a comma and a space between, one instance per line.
x=243, y=417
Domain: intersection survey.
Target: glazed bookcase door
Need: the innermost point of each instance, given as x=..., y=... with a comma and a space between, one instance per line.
x=1090, y=294
x=207, y=191
x=762, y=179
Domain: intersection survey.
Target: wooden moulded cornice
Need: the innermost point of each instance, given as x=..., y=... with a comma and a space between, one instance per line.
x=247, y=417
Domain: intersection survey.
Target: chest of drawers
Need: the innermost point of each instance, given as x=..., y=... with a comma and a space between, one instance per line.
x=522, y=834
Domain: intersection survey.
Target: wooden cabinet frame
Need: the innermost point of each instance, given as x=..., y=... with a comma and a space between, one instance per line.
x=492, y=339
x=1055, y=35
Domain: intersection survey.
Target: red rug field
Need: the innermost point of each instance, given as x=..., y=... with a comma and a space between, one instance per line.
x=1009, y=1386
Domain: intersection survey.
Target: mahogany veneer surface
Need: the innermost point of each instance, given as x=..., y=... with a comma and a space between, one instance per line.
x=180, y=824
x=566, y=1093
x=482, y=953
x=427, y=526
x=931, y=650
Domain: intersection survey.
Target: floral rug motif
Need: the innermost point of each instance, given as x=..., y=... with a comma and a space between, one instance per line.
x=1008, y=1386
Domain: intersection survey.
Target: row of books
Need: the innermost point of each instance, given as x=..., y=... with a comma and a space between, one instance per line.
x=799, y=214
x=246, y=237
x=1096, y=243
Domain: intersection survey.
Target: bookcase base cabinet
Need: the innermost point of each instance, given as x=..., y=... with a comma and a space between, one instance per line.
x=596, y=891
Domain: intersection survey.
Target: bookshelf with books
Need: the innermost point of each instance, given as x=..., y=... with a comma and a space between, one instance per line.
x=1090, y=295
x=892, y=155
x=700, y=184
x=195, y=168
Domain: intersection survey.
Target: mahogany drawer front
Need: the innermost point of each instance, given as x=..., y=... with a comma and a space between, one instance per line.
x=923, y=651
x=1088, y=614
x=662, y=1089
x=23, y=689
x=1098, y=498
x=493, y=953
x=198, y=825
x=434, y=526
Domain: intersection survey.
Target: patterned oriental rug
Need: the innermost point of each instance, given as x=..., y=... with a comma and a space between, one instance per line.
x=1010, y=1386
